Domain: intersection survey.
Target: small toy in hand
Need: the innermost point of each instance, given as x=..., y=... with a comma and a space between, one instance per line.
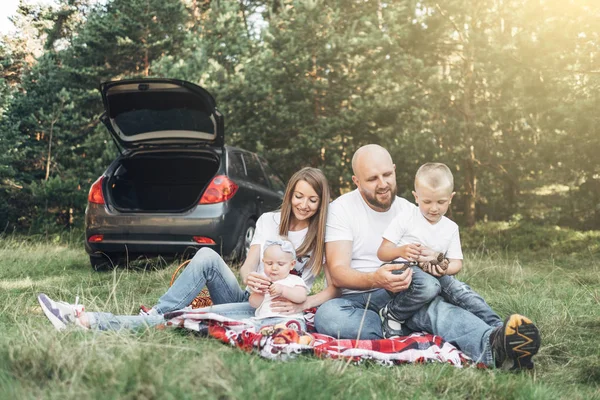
x=441, y=262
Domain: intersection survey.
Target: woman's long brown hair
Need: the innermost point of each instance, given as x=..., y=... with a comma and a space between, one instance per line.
x=315, y=237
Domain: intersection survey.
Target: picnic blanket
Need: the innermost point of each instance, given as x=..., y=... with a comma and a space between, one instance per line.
x=280, y=342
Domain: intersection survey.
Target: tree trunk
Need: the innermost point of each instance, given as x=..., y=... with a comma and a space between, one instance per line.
x=511, y=194
x=380, y=15
x=317, y=104
x=49, y=151
x=468, y=100
x=146, y=63
x=470, y=188
x=243, y=9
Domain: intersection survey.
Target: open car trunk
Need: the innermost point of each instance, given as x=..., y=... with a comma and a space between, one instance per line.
x=161, y=182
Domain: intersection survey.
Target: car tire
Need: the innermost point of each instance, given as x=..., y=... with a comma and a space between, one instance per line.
x=243, y=245
x=104, y=262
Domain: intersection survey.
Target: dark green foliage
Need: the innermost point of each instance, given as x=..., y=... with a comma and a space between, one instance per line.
x=52, y=144
x=505, y=93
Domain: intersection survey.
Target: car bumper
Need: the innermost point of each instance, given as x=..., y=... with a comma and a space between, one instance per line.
x=167, y=234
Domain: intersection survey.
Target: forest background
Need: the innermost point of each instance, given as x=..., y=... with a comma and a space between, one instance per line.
x=506, y=92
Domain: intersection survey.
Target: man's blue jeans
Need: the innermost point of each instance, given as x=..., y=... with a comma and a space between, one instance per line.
x=208, y=269
x=355, y=316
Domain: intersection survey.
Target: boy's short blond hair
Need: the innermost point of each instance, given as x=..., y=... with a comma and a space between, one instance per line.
x=435, y=175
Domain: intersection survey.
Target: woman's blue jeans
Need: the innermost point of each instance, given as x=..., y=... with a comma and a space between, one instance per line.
x=208, y=269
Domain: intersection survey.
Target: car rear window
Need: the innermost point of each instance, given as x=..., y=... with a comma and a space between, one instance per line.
x=276, y=181
x=236, y=166
x=255, y=172
x=177, y=111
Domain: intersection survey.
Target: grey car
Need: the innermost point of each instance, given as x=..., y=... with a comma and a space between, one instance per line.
x=175, y=186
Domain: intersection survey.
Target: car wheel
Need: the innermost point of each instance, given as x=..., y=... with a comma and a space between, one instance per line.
x=244, y=241
x=104, y=262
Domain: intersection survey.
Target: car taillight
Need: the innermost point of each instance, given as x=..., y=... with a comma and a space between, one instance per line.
x=95, y=195
x=203, y=240
x=220, y=189
x=96, y=238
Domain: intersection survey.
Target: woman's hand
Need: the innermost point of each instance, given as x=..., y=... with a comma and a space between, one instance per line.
x=258, y=282
x=251, y=263
x=283, y=306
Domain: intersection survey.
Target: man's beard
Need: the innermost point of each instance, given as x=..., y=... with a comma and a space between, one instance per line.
x=384, y=206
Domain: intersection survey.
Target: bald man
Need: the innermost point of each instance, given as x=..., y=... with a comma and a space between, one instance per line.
x=355, y=225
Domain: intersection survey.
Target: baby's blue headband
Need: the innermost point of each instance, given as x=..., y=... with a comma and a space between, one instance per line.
x=285, y=245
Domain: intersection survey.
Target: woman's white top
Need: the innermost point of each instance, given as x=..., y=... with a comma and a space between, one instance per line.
x=267, y=227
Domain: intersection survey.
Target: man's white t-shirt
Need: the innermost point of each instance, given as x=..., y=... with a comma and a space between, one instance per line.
x=350, y=218
x=264, y=310
x=410, y=226
x=267, y=228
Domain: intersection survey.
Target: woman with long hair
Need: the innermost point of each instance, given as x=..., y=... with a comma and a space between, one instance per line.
x=301, y=219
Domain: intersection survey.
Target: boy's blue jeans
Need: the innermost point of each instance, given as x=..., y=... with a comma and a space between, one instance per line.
x=425, y=287
x=356, y=315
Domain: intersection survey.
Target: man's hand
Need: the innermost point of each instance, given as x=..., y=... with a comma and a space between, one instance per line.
x=385, y=279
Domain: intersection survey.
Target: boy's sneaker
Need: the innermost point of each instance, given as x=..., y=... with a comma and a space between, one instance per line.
x=60, y=313
x=517, y=340
x=391, y=327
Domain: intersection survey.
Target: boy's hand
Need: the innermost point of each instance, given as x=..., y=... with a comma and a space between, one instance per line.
x=427, y=254
x=275, y=290
x=435, y=269
x=410, y=252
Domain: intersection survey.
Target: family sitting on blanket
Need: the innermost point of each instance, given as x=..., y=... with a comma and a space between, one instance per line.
x=351, y=232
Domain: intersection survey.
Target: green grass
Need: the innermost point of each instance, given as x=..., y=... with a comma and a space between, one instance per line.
x=558, y=289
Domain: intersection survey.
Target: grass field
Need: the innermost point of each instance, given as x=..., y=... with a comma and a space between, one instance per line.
x=557, y=284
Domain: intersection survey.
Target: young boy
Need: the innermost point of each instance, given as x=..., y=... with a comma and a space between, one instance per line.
x=279, y=258
x=425, y=235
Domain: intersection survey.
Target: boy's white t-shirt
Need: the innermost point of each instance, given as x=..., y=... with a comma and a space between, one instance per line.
x=410, y=226
x=264, y=310
x=350, y=218
x=267, y=227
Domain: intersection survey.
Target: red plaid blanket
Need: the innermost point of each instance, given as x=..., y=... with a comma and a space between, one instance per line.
x=281, y=343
